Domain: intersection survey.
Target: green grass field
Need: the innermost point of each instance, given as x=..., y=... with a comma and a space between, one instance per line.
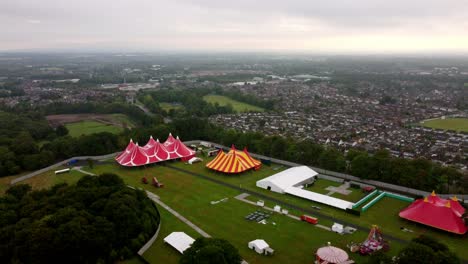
x=168, y=106
x=457, y=124
x=122, y=119
x=238, y=106
x=191, y=197
x=90, y=127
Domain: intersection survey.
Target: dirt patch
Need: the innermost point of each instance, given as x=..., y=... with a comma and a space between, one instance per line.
x=56, y=120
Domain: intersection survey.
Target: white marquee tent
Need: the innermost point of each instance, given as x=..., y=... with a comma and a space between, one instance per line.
x=179, y=241
x=289, y=181
x=281, y=181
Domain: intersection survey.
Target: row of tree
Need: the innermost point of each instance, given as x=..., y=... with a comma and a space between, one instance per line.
x=98, y=220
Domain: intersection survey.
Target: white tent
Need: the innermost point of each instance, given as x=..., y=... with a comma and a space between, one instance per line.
x=193, y=160
x=179, y=241
x=260, y=246
x=291, y=177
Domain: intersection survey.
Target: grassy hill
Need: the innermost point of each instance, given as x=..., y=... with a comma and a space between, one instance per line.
x=238, y=106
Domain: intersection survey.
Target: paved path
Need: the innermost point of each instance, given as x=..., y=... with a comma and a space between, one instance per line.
x=65, y=162
x=342, y=189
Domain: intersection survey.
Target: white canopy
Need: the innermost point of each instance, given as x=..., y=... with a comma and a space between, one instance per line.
x=179, y=240
x=279, y=182
x=321, y=198
x=259, y=243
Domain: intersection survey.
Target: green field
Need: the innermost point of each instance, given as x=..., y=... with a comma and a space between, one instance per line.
x=456, y=124
x=168, y=106
x=122, y=119
x=238, y=106
x=191, y=197
x=90, y=127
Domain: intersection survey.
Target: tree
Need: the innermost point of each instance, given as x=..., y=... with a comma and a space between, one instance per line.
x=211, y=251
x=98, y=220
x=379, y=258
x=18, y=191
x=61, y=131
x=424, y=249
x=416, y=253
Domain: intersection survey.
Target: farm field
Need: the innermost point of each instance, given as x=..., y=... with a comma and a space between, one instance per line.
x=238, y=106
x=457, y=124
x=90, y=127
x=191, y=196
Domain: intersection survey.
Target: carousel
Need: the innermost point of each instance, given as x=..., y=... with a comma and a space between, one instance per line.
x=332, y=255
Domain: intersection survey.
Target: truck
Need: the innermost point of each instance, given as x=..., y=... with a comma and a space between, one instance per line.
x=309, y=219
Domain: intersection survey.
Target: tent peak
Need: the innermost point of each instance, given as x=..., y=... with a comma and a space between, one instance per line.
x=131, y=140
x=426, y=200
x=448, y=205
x=433, y=193
x=454, y=198
x=151, y=136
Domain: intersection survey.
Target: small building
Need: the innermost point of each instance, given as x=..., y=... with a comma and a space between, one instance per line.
x=261, y=247
x=291, y=177
x=179, y=240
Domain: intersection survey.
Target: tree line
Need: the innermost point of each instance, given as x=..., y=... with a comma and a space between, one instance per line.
x=19, y=150
x=98, y=220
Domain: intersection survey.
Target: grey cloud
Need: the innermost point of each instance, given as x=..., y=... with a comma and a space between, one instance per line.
x=216, y=23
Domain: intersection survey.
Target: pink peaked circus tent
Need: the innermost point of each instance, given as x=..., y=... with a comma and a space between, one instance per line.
x=154, y=151
x=445, y=214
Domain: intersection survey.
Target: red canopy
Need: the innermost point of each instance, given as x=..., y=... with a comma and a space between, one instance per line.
x=153, y=152
x=437, y=212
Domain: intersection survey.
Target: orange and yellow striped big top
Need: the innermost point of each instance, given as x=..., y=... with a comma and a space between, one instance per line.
x=235, y=161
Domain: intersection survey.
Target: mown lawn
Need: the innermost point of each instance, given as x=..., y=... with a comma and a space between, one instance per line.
x=456, y=124
x=90, y=127
x=238, y=106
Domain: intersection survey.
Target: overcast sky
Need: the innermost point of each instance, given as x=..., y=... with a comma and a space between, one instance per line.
x=330, y=26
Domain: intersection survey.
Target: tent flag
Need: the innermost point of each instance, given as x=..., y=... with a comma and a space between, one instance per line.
x=445, y=214
x=154, y=151
x=235, y=161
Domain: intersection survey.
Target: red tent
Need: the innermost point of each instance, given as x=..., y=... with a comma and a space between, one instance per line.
x=153, y=152
x=445, y=214
x=177, y=149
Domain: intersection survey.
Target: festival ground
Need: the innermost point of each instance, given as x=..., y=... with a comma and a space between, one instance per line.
x=191, y=196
